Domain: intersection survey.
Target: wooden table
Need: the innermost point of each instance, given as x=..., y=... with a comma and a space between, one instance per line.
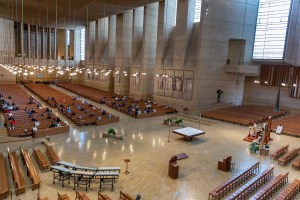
x=188, y=133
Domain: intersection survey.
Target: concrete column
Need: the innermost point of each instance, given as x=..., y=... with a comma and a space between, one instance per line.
x=29, y=40
x=166, y=21
x=102, y=41
x=91, y=41
x=77, y=45
x=146, y=82
x=49, y=53
x=137, y=40
x=112, y=41
x=37, y=49
x=184, y=27
x=61, y=44
x=55, y=43
x=123, y=51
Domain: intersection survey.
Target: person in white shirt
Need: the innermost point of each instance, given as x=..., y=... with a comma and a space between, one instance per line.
x=34, y=129
x=58, y=124
x=36, y=123
x=279, y=129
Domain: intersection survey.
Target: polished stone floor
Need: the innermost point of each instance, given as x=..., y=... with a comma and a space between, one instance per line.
x=146, y=145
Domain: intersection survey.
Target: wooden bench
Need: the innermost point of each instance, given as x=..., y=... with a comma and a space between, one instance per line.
x=290, y=192
x=233, y=183
x=279, y=152
x=31, y=170
x=103, y=196
x=296, y=164
x=125, y=196
x=271, y=188
x=18, y=176
x=41, y=159
x=3, y=179
x=62, y=196
x=81, y=196
x=288, y=157
x=52, y=155
x=255, y=183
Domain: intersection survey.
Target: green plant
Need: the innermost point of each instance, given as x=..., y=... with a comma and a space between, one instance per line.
x=111, y=131
x=253, y=147
x=179, y=121
x=169, y=120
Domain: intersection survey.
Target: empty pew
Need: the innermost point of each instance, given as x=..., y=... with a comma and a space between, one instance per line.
x=3, y=179
x=81, y=196
x=41, y=159
x=31, y=170
x=279, y=152
x=232, y=183
x=296, y=164
x=62, y=196
x=290, y=192
x=103, y=196
x=125, y=196
x=245, y=191
x=18, y=176
x=271, y=188
x=284, y=160
x=52, y=155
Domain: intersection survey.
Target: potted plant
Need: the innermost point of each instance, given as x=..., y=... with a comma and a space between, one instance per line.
x=111, y=132
x=167, y=121
x=219, y=93
x=179, y=121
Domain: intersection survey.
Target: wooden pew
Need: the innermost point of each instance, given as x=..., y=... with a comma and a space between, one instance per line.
x=225, y=165
x=81, y=196
x=3, y=179
x=279, y=152
x=290, y=192
x=271, y=188
x=18, y=176
x=125, y=196
x=233, y=183
x=255, y=183
x=103, y=196
x=296, y=164
x=41, y=159
x=62, y=196
x=288, y=157
x=52, y=155
x=31, y=170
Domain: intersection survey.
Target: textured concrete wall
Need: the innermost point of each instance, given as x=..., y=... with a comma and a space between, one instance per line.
x=137, y=37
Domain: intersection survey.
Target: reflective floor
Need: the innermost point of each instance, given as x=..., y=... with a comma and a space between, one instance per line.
x=146, y=145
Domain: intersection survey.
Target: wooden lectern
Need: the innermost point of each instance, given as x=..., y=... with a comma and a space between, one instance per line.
x=173, y=168
x=126, y=161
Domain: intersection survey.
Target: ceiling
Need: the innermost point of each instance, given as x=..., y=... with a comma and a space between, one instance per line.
x=69, y=12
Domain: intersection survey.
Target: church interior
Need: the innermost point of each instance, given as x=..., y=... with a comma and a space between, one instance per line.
x=149, y=99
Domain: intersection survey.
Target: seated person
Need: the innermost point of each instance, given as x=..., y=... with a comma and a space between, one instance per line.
x=10, y=116
x=58, y=124
x=13, y=122
x=11, y=127
x=103, y=112
x=49, y=116
x=36, y=123
x=92, y=115
x=79, y=117
x=73, y=114
x=99, y=118
x=34, y=129
x=33, y=119
x=9, y=97
x=25, y=132
x=57, y=119
x=52, y=125
x=139, y=112
x=279, y=129
x=109, y=116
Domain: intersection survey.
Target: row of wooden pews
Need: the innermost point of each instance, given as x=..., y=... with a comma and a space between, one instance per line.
x=287, y=158
x=41, y=159
x=3, y=179
x=31, y=170
x=88, y=114
x=109, y=98
x=21, y=98
x=18, y=176
x=84, y=196
x=233, y=183
x=244, y=115
x=271, y=188
x=279, y=152
x=290, y=192
x=246, y=190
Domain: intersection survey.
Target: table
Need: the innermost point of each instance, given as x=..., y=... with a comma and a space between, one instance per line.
x=188, y=133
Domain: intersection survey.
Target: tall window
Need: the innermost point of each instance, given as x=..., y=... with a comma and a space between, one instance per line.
x=198, y=11
x=176, y=3
x=68, y=37
x=272, y=22
x=82, y=44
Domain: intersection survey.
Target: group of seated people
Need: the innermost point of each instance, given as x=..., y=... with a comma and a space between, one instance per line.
x=6, y=106
x=255, y=133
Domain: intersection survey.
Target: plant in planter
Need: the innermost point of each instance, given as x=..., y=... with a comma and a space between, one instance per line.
x=111, y=131
x=219, y=93
x=179, y=121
